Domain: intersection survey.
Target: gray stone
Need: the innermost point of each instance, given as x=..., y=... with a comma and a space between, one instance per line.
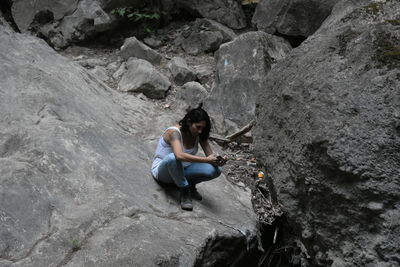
x=180, y=71
x=292, y=17
x=132, y=47
x=200, y=42
x=142, y=77
x=211, y=25
x=101, y=73
x=91, y=62
x=62, y=22
x=193, y=93
x=227, y=12
x=328, y=129
x=241, y=67
x=152, y=42
x=24, y=12
x=121, y=70
x=75, y=184
x=204, y=73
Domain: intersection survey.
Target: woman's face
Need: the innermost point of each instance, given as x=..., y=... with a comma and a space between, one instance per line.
x=196, y=128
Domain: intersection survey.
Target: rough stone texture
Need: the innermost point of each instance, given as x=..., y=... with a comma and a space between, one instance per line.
x=142, y=77
x=211, y=25
x=61, y=22
x=292, y=17
x=203, y=72
x=192, y=93
x=132, y=47
x=328, y=127
x=75, y=186
x=227, y=12
x=24, y=12
x=101, y=73
x=204, y=41
x=241, y=67
x=181, y=73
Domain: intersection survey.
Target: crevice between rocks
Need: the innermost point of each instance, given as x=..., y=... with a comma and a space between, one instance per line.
x=5, y=8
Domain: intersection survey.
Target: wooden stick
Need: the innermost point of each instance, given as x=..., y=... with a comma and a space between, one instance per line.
x=219, y=139
x=241, y=132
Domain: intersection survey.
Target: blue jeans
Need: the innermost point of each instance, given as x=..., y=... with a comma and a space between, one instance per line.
x=171, y=171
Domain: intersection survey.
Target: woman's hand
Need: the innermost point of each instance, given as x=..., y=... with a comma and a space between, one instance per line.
x=217, y=160
x=212, y=159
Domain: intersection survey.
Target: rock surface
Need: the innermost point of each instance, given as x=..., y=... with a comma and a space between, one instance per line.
x=328, y=129
x=203, y=41
x=227, y=12
x=75, y=187
x=142, y=77
x=192, y=93
x=180, y=71
x=61, y=22
x=241, y=67
x=211, y=25
x=132, y=47
x=292, y=17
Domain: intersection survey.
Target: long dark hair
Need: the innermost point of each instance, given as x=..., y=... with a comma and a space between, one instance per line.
x=196, y=115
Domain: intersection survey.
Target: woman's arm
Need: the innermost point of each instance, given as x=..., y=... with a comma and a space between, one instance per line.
x=206, y=147
x=174, y=139
x=208, y=151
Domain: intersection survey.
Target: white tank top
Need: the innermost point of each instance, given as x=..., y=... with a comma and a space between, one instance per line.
x=163, y=149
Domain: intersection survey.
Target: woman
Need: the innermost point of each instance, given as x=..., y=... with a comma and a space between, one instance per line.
x=175, y=160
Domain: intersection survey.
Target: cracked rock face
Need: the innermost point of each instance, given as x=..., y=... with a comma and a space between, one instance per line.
x=75, y=183
x=241, y=67
x=292, y=17
x=328, y=129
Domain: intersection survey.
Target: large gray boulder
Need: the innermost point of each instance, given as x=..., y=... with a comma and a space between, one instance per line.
x=180, y=71
x=61, y=22
x=291, y=17
x=241, y=67
x=142, y=77
x=75, y=185
x=132, y=47
x=24, y=12
x=227, y=12
x=328, y=127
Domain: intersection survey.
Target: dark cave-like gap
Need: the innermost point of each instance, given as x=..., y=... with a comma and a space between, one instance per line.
x=294, y=41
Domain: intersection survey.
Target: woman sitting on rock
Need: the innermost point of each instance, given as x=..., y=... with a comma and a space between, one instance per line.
x=175, y=160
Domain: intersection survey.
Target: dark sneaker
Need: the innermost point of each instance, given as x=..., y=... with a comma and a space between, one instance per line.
x=186, y=200
x=195, y=194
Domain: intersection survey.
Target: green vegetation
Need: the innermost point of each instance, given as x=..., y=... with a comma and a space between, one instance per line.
x=394, y=22
x=76, y=245
x=372, y=8
x=146, y=16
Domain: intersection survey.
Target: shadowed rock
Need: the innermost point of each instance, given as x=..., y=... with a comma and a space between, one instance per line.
x=241, y=67
x=292, y=17
x=227, y=12
x=180, y=71
x=328, y=129
x=132, y=47
x=142, y=77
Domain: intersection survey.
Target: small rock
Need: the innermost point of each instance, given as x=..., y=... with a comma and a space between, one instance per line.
x=142, y=77
x=181, y=73
x=132, y=47
x=100, y=72
x=152, y=42
x=192, y=93
x=206, y=41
